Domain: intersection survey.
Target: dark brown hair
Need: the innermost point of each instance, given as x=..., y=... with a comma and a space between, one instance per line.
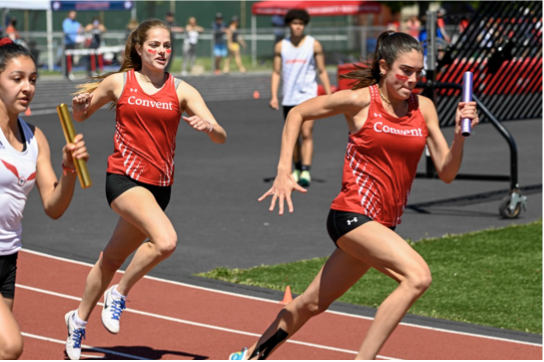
x=390, y=44
x=10, y=50
x=298, y=14
x=132, y=59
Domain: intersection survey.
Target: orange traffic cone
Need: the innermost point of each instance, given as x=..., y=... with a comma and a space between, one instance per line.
x=28, y=112
x=256, y=94
x=287, y=297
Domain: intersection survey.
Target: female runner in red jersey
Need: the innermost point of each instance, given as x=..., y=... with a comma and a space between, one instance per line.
x=149, y=103
x=389, y=127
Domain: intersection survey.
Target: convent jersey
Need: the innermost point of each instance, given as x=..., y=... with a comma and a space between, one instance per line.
x=145, y=136
x=381, y=162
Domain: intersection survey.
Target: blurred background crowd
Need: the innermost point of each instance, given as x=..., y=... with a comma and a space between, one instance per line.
x=215, y=36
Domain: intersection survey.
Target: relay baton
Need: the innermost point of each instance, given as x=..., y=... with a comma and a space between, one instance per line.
x=466, y=123
x=70, y=134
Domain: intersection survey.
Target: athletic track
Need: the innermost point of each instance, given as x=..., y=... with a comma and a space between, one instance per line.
x=170, y=320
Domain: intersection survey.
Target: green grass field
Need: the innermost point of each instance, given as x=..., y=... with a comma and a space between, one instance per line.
x=491, y=277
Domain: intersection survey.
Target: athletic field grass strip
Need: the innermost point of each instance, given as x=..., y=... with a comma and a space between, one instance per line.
x=491, y=277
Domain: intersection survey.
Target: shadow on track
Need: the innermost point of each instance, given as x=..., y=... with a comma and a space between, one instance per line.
x=134, y=352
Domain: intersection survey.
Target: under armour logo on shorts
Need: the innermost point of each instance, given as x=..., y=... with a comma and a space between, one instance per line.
x=352, y=221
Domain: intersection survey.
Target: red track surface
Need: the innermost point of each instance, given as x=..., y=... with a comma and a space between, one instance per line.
x=166, y=320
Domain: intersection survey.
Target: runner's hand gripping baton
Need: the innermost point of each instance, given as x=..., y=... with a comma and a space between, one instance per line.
x=466, y=123
x=70, y=134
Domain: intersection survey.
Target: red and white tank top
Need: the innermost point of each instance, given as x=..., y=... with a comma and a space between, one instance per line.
x=17, y=178
x=145, y=136
x=381, y=162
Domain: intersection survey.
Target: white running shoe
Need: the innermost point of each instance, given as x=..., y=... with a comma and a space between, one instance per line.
x=296, y=175
x=111, y=312
x=73, y=343
x=239, y=355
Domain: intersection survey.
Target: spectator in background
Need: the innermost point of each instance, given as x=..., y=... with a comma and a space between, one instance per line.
x=94, y=32
x=71, y=28
x=234, y=40
x=131, y=26
x=463, y=24
x=174, y=28
x=279, y=28
x=394, y=23
x=219, y=47
x=441, y=24
x=412, y=26
x=192, y=30
x=11, y=30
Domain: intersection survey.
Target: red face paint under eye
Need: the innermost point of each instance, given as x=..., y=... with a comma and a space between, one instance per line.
x=169, y=51
x=402, y=78
x=152, y=51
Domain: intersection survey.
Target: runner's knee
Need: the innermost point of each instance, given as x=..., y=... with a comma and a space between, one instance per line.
x=419, y=280
x=166, y=244
x=12, y=348
x=306, y=135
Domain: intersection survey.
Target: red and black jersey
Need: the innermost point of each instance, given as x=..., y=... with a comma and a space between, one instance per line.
x=381, y=162
x=145, y=137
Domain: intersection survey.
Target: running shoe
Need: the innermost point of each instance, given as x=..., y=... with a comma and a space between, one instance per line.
x=111, y=311
x=296, y=175
x=305, y=179
x=75, y=335
x=239, y=355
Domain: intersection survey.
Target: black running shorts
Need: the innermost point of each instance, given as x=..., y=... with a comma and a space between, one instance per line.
x=339, y=223
x=8, y=271
x=117, y=184
x=286, y=110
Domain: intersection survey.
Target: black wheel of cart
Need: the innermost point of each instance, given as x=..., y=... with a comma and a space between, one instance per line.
x=506, y=212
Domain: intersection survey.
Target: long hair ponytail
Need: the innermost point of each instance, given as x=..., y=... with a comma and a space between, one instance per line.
x=389, y=45
x=132, y=59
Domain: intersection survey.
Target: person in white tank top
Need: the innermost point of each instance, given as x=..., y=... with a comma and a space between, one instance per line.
x=297, y=60
x=25, y=160
x=192, y=31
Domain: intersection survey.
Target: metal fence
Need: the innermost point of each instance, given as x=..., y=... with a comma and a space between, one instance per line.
x=502, y=47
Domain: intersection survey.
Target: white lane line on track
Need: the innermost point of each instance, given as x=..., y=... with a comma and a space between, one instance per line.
x=196, y=324
x=96, y=349
x=276, y=302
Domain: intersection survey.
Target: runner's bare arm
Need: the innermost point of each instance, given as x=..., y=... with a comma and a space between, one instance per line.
x=57, y=194
x=85, y=104
x=276, y=75
x=321, y=70
x=345, y=102
x=200, y=116
x=447, y=160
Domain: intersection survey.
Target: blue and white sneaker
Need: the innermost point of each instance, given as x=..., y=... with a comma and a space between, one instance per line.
x=239, y=355
x=111, y=311
x=75, y=335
